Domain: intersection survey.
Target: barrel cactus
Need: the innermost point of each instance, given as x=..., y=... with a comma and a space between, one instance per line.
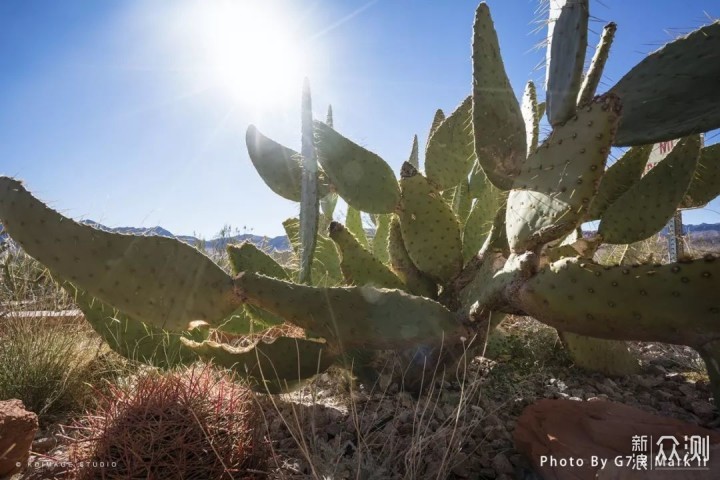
x=489, y=227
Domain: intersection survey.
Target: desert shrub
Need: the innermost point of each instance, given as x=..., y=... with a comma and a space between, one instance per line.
x=52, y=367
x=191, y=424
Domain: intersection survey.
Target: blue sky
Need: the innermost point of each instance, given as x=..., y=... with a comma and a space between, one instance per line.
x=134, y=112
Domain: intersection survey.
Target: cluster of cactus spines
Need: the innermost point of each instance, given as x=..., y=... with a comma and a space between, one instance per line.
x=558, y=181
x=705, y=185
x=498, y=125
x=646, y=207
x=483, y=233
x=597, y=64
x=686, y=83
x=567, y=42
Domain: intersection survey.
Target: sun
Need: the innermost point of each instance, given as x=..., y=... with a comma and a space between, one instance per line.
x=249, y=51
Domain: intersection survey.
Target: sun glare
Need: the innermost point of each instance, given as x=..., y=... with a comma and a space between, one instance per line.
x=250, y=51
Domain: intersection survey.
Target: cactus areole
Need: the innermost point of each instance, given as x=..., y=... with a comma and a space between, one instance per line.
x=483, y=230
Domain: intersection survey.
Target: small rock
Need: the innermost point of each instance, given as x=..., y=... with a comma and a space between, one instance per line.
x=17, y=430
x=486, y=473
x=702, y=409
x=656, y=369
x=43, y=445
x=605, y=389
x=575, y=399
x=688, y=389
x=502, y=464
x=648, y=381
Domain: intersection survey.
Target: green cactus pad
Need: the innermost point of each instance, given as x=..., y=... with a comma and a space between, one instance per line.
x=529, y=109
x=618, y=179
x=673, y=92
x=429, y=228
x=277, y=367
x=417, y=282
x=326, y=261
x=558, y=181
x=597, y=65
x=414, y=157
x=438, y=118
x=134, y=339
x=278, y=166
x=156, y=280
x=353, y=221
x=359, y=266
x=352, y=317
x=450, y=154
x=248, y=257
x=462, y=201
x=380, y=240
x=478, y=224
x=609, y=357
x=567, y=42
x=647, y=206
x=498, y=125
x=359, y=176
x=675, y=303
x=705, y=185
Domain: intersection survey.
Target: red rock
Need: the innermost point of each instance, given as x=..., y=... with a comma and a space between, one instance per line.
x=17, y=430
x=577, y=432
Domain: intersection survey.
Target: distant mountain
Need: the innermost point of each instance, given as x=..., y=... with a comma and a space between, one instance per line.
x=267, y=243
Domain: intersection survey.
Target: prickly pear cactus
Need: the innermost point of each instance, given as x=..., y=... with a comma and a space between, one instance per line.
x=490, y=227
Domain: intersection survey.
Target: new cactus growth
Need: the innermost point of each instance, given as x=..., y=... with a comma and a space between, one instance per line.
x=490, y=228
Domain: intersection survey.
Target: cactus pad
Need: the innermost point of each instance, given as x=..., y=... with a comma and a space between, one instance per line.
x=597, y=64
x=674, y=91
x=558, y=181
x=352, y=317
x=326, y=261
x=529, y=109
x=705, y=185
x=622, y=175
x=675, y=303
x=497, y=121
x=450, y=154
x=134, y=339
x=156, y=280
x=278, y=166
x=360, y=267
x=567, y=42
x=429, y=227
x=648, y=205
x=359, y=176
x=417, y=282
x=248, y=257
